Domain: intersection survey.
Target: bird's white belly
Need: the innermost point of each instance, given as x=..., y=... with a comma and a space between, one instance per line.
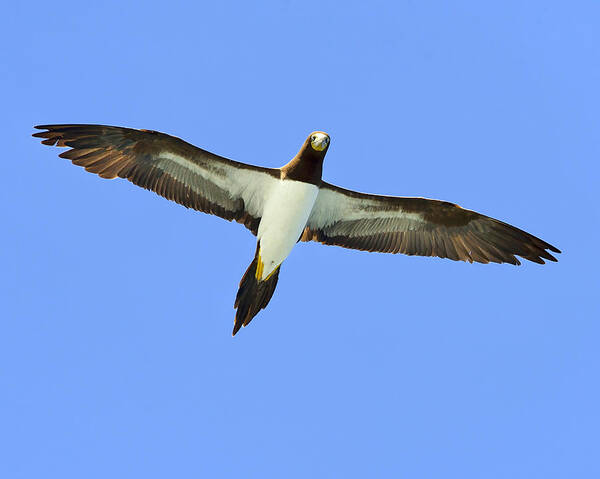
x=284, y=218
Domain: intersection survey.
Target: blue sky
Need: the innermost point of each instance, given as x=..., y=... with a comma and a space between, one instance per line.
x=116, y=358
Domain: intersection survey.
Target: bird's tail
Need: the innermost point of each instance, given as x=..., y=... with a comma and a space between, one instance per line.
x=253, y=294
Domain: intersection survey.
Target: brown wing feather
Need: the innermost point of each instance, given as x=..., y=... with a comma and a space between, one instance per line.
x=418, y=226
x=112, y=152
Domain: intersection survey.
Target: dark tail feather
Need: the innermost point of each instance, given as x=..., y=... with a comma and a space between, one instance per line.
x=253, y=295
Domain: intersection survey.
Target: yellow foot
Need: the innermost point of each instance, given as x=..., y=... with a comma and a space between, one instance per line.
x=260, y=268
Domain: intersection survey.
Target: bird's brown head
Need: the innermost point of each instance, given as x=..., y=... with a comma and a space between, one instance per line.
x=307, y=165
x=318, y=141
x=314, y=148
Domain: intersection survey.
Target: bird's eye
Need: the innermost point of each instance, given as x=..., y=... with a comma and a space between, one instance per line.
x=313, y=138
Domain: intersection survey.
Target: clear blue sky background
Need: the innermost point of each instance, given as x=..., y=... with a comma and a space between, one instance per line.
x=116, y=358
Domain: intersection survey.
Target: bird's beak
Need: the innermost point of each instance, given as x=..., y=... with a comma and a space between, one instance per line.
x=320, y=143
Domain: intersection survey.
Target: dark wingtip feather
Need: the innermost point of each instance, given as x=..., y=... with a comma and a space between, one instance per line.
x=51, y=137
x=50, y=130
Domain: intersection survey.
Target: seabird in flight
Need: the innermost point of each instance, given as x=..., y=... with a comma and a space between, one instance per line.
x=282, y=206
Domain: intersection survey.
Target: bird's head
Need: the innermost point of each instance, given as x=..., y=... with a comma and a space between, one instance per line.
x=307, y=165
x=319, y=141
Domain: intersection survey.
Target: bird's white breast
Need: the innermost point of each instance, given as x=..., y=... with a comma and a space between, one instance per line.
x=286, y=211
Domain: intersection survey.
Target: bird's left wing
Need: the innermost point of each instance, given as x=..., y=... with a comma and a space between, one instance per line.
x=417, y=226
x=169, y=166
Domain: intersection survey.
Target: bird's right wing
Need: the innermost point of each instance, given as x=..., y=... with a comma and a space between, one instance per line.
x=169, y=166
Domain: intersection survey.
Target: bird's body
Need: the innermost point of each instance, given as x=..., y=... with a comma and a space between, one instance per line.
x=289, y=204
x=283, y=221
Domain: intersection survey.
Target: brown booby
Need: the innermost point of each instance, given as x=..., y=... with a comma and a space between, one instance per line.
x=282, y=206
